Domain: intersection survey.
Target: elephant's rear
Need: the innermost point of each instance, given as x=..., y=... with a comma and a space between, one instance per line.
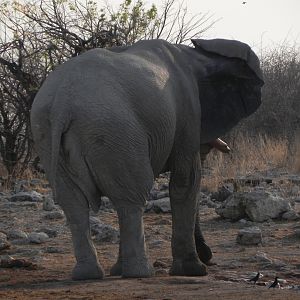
x=85, y=130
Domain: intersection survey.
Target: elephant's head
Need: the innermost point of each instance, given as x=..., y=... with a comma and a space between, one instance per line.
x=231, y=89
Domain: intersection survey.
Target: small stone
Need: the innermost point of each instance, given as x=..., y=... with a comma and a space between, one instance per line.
x=243, y=221
x=38, y=237
x=4, y=244
x=52, y=249
x=159, y=206
x=261, y=257
x=16, y=234
x=106, y=204
x=222, y=194
x=49, y=231
x=290, y=215
x=26, y=196
x=48, y=204
x=249, y=236
x=54, y=215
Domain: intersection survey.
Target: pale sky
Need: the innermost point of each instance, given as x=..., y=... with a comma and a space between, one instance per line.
x=258, y=22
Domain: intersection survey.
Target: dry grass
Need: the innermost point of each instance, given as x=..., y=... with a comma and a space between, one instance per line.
x=249, y=156
x=7, y=182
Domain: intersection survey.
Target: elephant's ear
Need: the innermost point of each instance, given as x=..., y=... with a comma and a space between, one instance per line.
x=231, y=49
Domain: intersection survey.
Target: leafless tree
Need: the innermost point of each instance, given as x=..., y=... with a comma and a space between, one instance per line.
x=37, y=35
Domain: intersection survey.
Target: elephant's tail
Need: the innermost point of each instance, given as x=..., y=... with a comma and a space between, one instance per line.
x=59, y=125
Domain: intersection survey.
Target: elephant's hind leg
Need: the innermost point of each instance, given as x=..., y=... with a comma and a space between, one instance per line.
x=76, y=209
x=126, y=179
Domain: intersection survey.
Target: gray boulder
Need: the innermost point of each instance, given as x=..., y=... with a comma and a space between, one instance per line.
x=159, y=206
x=38, y=237
x=261, y=206
x=249, y=236
x=258, y=206
x=26, y=196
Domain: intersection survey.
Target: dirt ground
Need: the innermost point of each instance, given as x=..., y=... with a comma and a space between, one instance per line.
x=228, y=279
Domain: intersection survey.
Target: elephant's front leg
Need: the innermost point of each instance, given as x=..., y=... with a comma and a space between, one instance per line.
x=132, y=254
x=184, y=185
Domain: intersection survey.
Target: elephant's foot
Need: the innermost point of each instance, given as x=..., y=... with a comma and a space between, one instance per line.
x=136, y=268
x=188, y=267
x=116, y=269
x=204, y=252
x=85, y=271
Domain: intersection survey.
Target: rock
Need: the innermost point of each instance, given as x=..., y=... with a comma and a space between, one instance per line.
x=48, y=204
x=290, y=215
x=261, y=206
x=11, y=262
x=261, y=257
x=4, y=244
x=49, y=231
x=258, y=206
x=26, y=196
x=38, y=237
x=103, y=232
x=16, y=235
x=155, y=195
x=233, y=208
x=54, y=215
x=249, y=236
x=106, y=204
x=21, y=186
x=222, y=194
x=159, y=206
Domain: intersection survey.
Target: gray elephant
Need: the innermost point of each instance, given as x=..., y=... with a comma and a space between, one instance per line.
x=111, y=120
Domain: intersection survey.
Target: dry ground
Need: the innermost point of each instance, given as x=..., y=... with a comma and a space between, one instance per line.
x=226, y=280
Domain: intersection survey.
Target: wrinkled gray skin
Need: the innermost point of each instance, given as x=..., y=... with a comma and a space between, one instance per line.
x=109, y=121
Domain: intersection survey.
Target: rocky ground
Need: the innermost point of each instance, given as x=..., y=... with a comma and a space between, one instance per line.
x=252, y=224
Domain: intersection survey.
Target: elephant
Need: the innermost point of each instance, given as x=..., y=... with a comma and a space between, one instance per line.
x=109, y=121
